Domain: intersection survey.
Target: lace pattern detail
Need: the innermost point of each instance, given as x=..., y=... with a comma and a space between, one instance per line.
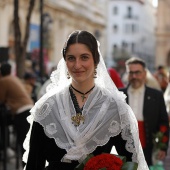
x=114, y=127
x=51, y=128
x=44, y=111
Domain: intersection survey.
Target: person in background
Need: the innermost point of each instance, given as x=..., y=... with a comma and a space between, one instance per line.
x=82, y=113
x=150, y=81
x=14, y=95
x=162, y=77
x=30, y=81
x=148, y=105
x=115, y=77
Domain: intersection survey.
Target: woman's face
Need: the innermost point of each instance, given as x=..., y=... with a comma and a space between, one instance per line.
x=80, y=63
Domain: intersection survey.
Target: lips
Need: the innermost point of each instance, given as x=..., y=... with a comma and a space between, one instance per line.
x=78, y=73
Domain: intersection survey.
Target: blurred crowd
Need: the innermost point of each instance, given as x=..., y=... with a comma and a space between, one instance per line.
x=18, y=96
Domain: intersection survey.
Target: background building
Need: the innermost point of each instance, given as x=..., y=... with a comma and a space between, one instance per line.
x=60, y=19
x=130, y=30
x=124, y=28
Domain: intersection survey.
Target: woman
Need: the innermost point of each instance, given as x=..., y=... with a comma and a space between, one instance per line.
x=82, y=112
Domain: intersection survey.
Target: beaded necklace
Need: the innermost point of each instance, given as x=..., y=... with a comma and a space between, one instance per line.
x=79, y=117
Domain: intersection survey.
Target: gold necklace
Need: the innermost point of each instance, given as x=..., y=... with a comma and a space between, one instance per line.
x=77, y=119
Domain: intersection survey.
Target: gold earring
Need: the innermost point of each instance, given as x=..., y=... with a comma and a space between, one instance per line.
x=95, y=73
x=68, y=75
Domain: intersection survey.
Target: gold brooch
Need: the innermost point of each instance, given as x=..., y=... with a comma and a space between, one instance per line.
x=77, y=119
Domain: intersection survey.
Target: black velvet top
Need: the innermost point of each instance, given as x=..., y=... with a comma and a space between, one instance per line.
x=43, y=148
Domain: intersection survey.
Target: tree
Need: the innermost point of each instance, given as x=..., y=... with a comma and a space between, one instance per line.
x=21, y=45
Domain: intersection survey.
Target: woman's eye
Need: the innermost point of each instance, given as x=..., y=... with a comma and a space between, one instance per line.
x=85, y=57
x=70, y=58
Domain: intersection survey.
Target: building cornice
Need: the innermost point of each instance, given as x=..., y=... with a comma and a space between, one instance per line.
x=79, y=10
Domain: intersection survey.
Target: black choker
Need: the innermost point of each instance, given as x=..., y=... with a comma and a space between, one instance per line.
x=83, y=94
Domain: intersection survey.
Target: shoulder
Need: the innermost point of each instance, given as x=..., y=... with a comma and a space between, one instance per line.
x=123, y=89
x=10, y=79
x=153, y=90
x=52, y=96
x=7, y=80
x=158, y=94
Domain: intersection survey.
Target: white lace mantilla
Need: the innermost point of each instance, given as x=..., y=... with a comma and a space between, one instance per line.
x=100, y=124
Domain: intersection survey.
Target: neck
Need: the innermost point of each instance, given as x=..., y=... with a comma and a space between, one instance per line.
x=83, y=87
x=137, y=88
x=83, y=94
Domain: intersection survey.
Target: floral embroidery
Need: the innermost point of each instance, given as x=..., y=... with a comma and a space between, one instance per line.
x=51, y=128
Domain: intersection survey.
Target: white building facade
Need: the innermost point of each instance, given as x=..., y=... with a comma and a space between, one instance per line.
x=131, y=30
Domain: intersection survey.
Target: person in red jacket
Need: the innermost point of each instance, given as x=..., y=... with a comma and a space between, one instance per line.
x=115, y=77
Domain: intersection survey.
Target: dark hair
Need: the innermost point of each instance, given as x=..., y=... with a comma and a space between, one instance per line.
x=85, y=38
x=5, y=69
x=160, y=67
x=135, y=60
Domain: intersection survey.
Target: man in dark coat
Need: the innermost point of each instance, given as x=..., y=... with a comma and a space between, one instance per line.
x=149, y=108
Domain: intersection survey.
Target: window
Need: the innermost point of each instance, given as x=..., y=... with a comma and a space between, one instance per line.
x=134, y=29
x=115, y=10
x=124, y=45
x=115, y=28
x=115, y=49
x=129, y=12
x=130, y=28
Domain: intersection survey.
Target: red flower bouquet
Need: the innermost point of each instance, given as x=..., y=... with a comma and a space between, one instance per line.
x=106, y=161
x=160, y=138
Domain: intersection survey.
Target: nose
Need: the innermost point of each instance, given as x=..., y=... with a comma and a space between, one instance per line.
x=77, y=64
x=133, y=75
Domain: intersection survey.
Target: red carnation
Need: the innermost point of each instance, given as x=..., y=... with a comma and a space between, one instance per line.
x=163, y=128
x=164, y=139
x=160, y=138
x=108, y=161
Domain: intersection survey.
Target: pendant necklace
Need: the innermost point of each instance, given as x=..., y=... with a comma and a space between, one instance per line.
x=78, y=118
x=83, y=94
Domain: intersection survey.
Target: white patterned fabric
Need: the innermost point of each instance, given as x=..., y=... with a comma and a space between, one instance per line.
x=105, y=111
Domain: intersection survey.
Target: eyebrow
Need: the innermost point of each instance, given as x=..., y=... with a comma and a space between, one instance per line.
x=85, y=54
x=80, y=55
